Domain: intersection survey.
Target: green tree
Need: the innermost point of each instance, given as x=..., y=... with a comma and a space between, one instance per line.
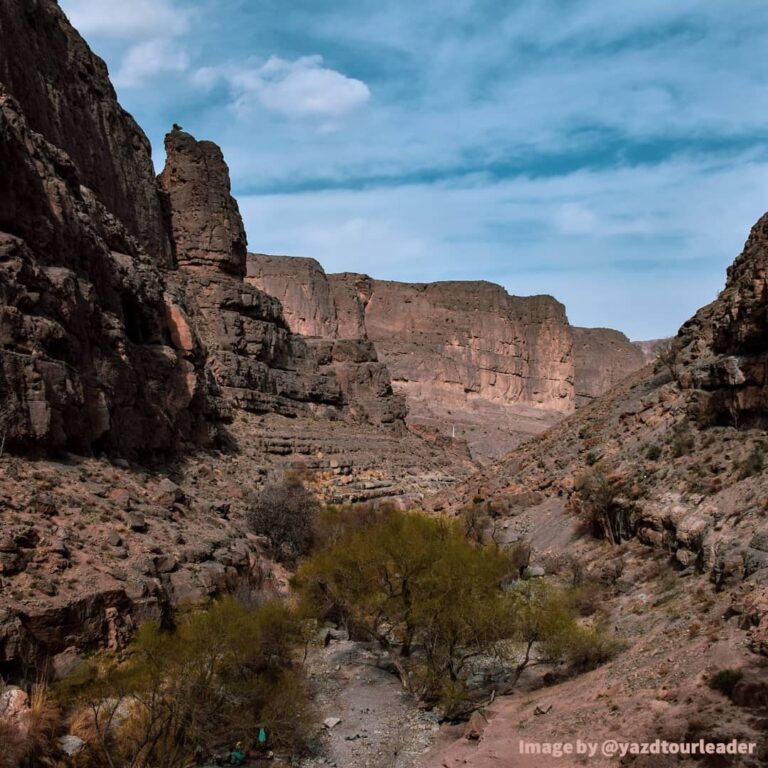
x=437, y=603
x=219, y=677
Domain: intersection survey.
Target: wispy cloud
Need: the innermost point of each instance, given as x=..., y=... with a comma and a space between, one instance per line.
x=303, y=88
x=148, y=59
x=149, y=31
x=135, y=20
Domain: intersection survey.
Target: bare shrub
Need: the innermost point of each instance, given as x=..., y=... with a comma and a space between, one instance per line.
x=285, y=512
x=669, y=358
x=598, y=498
x=14, y=744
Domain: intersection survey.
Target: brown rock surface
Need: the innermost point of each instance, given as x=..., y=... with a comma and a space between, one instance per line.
x=65, y=94
x=602, y=357
x=472, y=362
x=206, y=228
x=723, y=347
x=85, y=353
x=303, y=289
x=256, y=361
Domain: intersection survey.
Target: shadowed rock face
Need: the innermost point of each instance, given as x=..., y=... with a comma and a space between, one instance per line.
x=64, y=92
x=86, y=360
x=723, y=349
x=602, y=357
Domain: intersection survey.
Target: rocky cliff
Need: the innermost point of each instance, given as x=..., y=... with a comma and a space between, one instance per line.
x=471, y=360
x=602, y=357
x=64, y=92
x=721, y=352
x=127, y=326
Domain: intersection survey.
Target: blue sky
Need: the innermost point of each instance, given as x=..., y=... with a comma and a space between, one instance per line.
x=612, y=154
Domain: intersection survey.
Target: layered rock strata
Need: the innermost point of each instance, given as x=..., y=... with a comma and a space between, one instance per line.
x=471, y=360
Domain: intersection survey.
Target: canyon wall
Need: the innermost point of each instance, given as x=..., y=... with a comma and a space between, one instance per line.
x=471, y=360
x=602, y=357
x=126, y=325
x=453, y=340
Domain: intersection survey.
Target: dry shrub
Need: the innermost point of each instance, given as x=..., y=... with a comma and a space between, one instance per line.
x=285, y=512
x=599, y=500
x=14, y=743
x=213, y=681
x=31, y=739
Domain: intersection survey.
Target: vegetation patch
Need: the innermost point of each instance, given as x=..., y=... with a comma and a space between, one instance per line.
x=441, y=607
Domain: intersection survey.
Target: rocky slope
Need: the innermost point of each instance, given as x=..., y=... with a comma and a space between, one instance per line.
x=673, y=460
x=471, y=360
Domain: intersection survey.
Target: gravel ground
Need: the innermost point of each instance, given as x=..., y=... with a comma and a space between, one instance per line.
x=380, y=725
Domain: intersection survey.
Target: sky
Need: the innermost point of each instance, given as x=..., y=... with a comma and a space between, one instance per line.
x=612, y=154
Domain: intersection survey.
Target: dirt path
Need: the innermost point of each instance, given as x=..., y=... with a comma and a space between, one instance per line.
x=380, y=727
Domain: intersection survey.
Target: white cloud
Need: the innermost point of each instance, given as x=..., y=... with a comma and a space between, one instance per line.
x=303, y=88
x=146, y=30
x=148, y=59
x=127, y=20
x=576, y=219
x=652, y=247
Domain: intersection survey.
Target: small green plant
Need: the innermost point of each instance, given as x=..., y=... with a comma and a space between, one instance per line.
x=725, y=681
x=653, y=452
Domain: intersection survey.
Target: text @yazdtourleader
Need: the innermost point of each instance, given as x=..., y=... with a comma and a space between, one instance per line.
x=616, y=748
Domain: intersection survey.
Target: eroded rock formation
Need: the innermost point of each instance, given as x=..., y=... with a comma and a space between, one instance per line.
x=602, y=357
x=722, y=351
x=471, y=360
x=255, y=360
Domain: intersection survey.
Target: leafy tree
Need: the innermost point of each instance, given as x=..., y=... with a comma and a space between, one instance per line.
x=437, y=603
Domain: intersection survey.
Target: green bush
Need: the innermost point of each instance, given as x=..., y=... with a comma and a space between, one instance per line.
x=725, y=681
x=589, y=648
x=653, y=452
x=219, y=677
x=435, y=602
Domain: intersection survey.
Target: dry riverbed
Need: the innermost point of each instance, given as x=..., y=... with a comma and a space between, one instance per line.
x=379, y=726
